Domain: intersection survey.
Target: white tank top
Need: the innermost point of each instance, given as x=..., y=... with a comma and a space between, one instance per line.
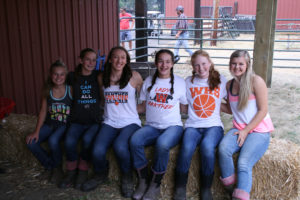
x=242, y=118
x=120, y=106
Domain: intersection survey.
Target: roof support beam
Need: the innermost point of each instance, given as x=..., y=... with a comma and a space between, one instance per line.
x=264, y=39
x=141, y=11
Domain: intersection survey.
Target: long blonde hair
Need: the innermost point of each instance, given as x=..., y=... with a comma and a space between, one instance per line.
x=246, y=80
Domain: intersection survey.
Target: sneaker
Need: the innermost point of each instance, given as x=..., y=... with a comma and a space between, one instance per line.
x=176, y=59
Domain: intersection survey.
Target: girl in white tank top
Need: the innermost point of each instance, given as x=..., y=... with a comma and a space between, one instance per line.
x=120, y=85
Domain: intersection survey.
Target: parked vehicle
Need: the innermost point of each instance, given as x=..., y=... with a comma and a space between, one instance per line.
x=155, y=21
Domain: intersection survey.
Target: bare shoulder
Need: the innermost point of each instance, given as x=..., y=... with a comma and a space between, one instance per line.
x=137, y=76
x=259, y=86
x=258, y=81
x=136, y=80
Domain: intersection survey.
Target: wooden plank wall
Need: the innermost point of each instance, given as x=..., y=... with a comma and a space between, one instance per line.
x=34, y=33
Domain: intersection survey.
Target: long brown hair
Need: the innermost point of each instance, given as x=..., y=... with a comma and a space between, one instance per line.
x=214, y=76
x=126, y=73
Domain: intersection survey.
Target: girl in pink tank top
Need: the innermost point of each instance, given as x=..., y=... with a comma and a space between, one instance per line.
x=250, y=135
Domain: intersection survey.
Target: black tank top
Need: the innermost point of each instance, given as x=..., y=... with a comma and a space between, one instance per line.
x=58, y=110
x=86, y=95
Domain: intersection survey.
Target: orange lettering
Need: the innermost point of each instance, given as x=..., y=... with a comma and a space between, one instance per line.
x=196, y=91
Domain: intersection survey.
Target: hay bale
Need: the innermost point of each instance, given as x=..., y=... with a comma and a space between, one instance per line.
x=12, y=139
x=275, y=176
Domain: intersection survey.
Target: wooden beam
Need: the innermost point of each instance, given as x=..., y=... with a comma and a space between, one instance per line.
x=141, y=11
x=215, y=22
x=264, y=39
x=197, y=14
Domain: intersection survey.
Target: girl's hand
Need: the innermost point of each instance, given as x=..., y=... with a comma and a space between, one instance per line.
x=33, y=136
x=242, y=137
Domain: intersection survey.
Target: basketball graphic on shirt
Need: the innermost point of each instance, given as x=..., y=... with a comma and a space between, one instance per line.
x=204, y=105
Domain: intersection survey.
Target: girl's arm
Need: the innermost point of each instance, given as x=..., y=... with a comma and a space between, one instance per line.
x=225, y=106
x=42, y=116
x=184, y=108
x=141, y=108
x=261, y=94
x=101, y=92
x=137, y=81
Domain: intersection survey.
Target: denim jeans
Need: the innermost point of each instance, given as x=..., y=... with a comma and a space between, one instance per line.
x=119, y=137
x=252, y=150
x=164, y=140
x=182, y=41
x=54, y=136
x=74, y=133
x=207, y=139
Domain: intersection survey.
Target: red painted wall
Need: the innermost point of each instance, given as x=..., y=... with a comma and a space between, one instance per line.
x=35, y=33
x=286, y=9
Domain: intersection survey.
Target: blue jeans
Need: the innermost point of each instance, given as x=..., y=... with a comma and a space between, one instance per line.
x=54, y=135
x=252, y=150
x=182, y=41
x=164, y=140
x=207, y=139
x=120, y=139
x=74, y=133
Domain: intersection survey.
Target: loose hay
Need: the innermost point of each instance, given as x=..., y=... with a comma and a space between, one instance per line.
x=275, y=176
x=12, y=139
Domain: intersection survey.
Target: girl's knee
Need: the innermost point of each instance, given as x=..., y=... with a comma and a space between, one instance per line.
x=99, y=151
x=32, y=145
x=70, y=143
x=134, y=141
x=223, y=150
x=162, y=146
x=53, y=143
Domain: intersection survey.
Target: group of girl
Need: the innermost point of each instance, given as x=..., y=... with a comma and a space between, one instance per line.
x=163, y=97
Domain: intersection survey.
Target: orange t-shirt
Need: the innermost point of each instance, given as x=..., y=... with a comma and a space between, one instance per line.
x=124, y=23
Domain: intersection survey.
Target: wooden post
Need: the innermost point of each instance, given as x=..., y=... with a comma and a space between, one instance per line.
x=141, y=11
x=215, y=22
x=264, y=39
x=197, y=14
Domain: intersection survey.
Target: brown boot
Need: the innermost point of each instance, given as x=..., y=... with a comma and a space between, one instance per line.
x=180, y=186
x=68, y=180
x=206, y=183
x=81, y=178
x=229, y=189
x=56, y=175
x=153, y=191
x=127, y=185
x=98, y=179
x=142, y=186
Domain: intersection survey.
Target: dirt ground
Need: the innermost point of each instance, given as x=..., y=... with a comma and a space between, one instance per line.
x=23, y=183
